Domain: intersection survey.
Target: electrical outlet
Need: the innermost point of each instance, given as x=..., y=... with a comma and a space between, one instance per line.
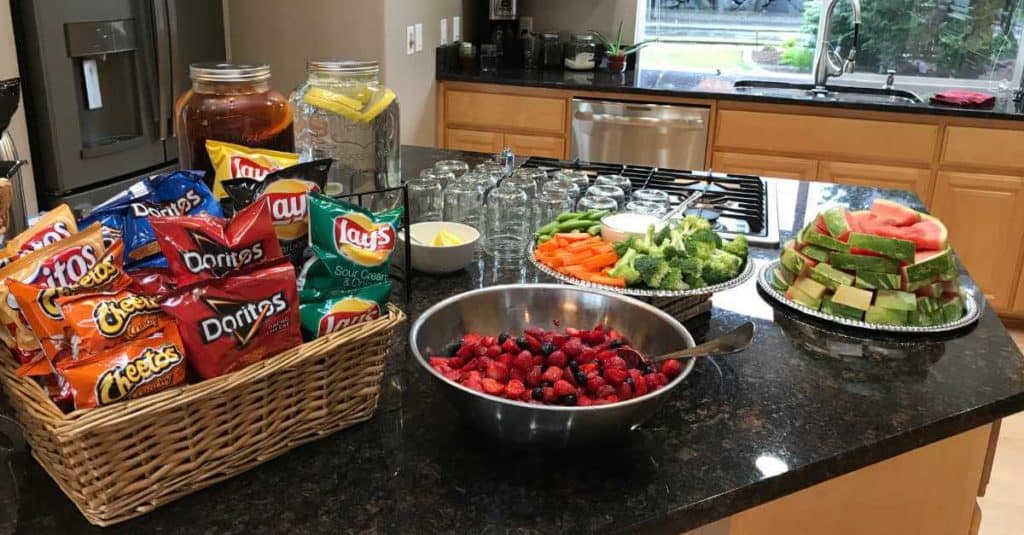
x=456, y=28
x=410, y=40
x=444, y=31
x=419, y=37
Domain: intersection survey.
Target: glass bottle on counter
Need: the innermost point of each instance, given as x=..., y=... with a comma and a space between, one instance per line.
x=232, y=103
x=551, y=51
x=580, y=52
x=343, y=112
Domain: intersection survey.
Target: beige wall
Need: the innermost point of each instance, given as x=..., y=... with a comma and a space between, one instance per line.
x=18, y=129
x=412, y=77
x=568, y=16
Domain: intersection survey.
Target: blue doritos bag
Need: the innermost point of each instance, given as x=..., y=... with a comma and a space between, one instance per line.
x=181, y=193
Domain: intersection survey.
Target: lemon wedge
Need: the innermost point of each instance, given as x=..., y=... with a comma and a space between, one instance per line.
x=347, y=107
x=444, y=239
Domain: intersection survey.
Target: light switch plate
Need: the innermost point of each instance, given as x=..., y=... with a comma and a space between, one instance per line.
x=444, y=31
x=410, y=40
x=419, y=37
x=456, y=28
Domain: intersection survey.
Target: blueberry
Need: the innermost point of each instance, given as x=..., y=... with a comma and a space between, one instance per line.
x=648, y=368
x=547, y=348
x=538, y=393
x=502, y=337
x=616, y=343
x=522, y=343
x=581, y=378
x=569, y=399
x=547, y=384
x=452, y=348
x=574, y=365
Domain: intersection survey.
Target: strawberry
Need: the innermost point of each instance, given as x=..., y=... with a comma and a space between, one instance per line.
x=510, y=346
x=595, y=338
x=474, y=385
x=483, y=362
x=471, y=339
x=588, y=368
x=587, y=355
x=492, y=351
x=514, y=389
x=639, y=384
x=552, y=374
x=481, y=351
x=498, y=372
x=492, y=387
x=671, y=368
x=615, y=376
x=549, y=394
x=584, y=401
x=470, y=364
x=557, y=358
x=506, y=359
x=452, y=375
x=616, y=362
x=572, y=347
x=599, y=401
x=612, y=399
x=488, y=341
x=535, y=332
x=475, y=376
x=466, y=351
x=438, y=362
x=538, y=360
x=624, y=391
x=653, y=381
x=607, y=354
x=595, y=383
x=533, y=377
x=527, y=395
x=516, y=374
x=557, y=339
x=599, y=328
x=533, y=343
x=571, y=331
x=604, y=391
x=563, y=388
x=455, y=362
x=523, y=361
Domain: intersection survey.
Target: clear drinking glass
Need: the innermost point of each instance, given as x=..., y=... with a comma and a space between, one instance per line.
x=597, y=203
x=442, y=177
x=645, y=207
x=651, y=195
x=548, y=205
x=523, y=179
x=507, y=224
x=563, y=186
x=612, y=192
x=464, y=203
x=617, y=181
x=581, y=179
x=426, y=199
x=455, y=167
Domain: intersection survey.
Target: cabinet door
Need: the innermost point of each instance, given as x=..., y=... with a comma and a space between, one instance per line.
x=879, y=176
x=985, y=218
x=769, y=166
x=473, y=140
x=546, y=146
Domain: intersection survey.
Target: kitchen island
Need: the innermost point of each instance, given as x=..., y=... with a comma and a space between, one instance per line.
x=806, y=404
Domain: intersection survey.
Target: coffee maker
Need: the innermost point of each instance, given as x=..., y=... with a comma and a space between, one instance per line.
x=499, y=24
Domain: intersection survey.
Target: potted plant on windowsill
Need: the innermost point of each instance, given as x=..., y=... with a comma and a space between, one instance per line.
x=617, y=53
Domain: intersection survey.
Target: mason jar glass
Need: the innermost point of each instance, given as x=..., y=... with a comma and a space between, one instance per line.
x=508, y=220
x=580, y=53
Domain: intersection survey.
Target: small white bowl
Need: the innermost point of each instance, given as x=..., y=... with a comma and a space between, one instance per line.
x=612, y=231
x=441, y=259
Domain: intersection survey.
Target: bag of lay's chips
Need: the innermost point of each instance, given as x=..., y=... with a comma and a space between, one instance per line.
x=39, y=303
x=323, y=313
x=127, y=214
x=237, y=161
x=204, y=247
x=60, y=264
x=230, y=323
x=52, y=227
x=289, y=206
x=127, y=371
x=354, y=244
x=100, y=321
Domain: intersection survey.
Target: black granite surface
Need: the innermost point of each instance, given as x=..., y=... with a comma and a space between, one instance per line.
x=806, y=403
x=711, y=86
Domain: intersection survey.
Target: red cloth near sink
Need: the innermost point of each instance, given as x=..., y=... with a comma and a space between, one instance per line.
x=964, y=99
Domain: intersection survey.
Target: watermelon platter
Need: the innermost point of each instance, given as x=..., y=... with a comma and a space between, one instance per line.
x=889, y=268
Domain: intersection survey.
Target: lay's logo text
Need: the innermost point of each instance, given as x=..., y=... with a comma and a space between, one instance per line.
x=242, y=167
x=361, y=240
x=348, y=312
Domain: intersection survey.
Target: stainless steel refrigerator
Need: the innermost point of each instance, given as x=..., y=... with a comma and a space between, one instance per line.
x=100, y=79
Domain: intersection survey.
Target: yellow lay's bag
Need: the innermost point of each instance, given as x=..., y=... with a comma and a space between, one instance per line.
x=236, y=161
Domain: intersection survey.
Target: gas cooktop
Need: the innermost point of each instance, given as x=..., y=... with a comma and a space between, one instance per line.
x=737, y=204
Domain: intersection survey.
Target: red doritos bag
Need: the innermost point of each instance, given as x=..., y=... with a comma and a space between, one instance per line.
x=230, y=323
x=203, y=247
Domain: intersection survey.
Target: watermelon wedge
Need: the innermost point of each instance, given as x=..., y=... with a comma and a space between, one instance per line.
x=838, y=221
x=819, y=223
x=894, y=213
x=928, y=234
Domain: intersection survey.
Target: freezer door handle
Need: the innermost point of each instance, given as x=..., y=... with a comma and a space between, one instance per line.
x=163, y=65
x=175, y=68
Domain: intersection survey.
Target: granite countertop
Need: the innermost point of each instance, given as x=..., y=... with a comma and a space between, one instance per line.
x=711, y=86
x=808, y=402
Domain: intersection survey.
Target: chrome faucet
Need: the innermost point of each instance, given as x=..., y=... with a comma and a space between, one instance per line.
x=828, y=62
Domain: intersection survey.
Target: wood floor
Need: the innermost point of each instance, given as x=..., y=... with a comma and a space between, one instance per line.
x=1002, y=507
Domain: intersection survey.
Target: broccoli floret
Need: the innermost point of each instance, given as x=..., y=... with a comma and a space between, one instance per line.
x=720, y=267
x=692, y=223
x=700, y=250
x=690, y=266
x=624, y=267
x=738, y=246
x=673, y=280
x=694, y=280
x=651, y=269
x=670, y=251
x=622, y=246
x=662, y=235
x=708, y=236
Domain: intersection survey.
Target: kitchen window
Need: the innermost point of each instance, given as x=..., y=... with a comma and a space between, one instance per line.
x=929, y=43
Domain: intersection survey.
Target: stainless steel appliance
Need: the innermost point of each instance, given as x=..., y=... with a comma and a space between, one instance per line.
x=646, y=134
x=100, y=80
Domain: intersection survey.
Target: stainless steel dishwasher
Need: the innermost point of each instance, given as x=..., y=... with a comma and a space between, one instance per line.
x=645, y=134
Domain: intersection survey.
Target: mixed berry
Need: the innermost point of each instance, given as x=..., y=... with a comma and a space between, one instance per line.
x=571, y=367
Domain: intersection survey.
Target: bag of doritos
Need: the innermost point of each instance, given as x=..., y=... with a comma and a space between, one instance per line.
x=204, y=247
x=127, y=371
x=237, y=161
x=325, y=312
x=230, y=323
x=289, y=206
x=153, y=281
x=354, y=244
x=100, y=321
x=181, y=193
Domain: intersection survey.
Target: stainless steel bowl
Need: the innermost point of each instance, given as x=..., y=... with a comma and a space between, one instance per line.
x=514, y=307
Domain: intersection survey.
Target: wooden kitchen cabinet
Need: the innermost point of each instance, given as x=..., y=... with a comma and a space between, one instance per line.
x=474, y=140
x=756, y=164
x=1018, y=302
x=545, y=146
x=505, y=112
x=985, y=217
x=879, y=176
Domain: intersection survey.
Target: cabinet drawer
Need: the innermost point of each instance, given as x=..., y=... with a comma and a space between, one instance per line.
x=545, y=146
x=879, y=176
x=505, y=112
x=473, y=140
x=834, y=138
x=772, y=166
x=986, y=147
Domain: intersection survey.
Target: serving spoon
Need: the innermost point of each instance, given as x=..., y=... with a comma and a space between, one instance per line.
x=733, y=341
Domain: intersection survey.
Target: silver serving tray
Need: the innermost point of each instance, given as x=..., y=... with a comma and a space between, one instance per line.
x=972, y=315
x=748, y=271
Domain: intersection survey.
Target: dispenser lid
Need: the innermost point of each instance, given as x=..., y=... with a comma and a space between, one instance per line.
x=228, y=72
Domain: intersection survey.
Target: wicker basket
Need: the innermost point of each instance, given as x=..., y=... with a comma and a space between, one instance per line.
x=124, y=460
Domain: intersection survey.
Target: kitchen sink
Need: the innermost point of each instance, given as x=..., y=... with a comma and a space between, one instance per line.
x=834, y=93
